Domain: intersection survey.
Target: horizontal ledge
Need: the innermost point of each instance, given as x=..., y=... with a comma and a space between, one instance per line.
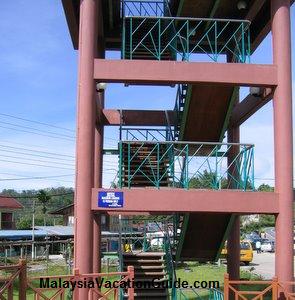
x=116, y=117
x=172, y=72
x=170, y=200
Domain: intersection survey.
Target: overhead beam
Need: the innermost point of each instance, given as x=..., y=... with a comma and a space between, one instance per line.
x=116, y=117
x=168, y=72
x=170, y=200
x=254, y=9
x=72, y=20
x=249, y=106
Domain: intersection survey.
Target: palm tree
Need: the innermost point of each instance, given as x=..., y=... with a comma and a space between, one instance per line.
x=43, y=198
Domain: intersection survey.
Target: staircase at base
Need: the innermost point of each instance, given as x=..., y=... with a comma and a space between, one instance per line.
x=148, y=266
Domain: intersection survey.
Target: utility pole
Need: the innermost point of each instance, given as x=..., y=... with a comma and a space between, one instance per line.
x=33, y=231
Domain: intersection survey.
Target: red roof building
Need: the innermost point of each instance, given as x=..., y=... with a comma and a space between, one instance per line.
x=7, y=207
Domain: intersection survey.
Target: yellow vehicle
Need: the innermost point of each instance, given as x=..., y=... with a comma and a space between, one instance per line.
x=246, y=252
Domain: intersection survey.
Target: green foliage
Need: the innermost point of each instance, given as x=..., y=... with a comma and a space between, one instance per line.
x=43, y=198
x=265, y=188
x=23, y=217
x=264, y=220
x=25, y=222
x=207, y=180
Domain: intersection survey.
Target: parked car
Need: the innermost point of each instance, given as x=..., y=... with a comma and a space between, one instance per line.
x=254, y=241
x=267, y=246
x=246, y=252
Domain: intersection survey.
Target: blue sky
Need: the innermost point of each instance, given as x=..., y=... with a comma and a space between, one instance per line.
x=38, y=72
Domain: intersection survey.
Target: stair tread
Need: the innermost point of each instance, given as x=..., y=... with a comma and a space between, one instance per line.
x=149, y=267
x=142, y=254
x=145, y=261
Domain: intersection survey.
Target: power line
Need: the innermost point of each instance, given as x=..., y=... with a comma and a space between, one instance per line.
x=32, y=128
x=112, y=139
x=43, y=176
x=31, y=178
x=49, y=177
x=36, y=196
x=38, y=151
x=37, y=165
x=37, y=155
x=26, y=145
x=37, y=160
x=36, y=122
x=46, y=135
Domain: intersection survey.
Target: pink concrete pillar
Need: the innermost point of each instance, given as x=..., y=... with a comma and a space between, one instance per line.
x=282, y=105
x=98, y=167
x=85, y=139
x=233, y=250
x=233, y=241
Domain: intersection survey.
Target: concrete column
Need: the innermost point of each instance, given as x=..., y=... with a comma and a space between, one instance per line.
x=98, y=167
x=85, y=139
x=282, y=105
x=233, y=250
x=233, y=241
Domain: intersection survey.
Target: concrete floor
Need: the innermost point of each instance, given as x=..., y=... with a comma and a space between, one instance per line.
x=263, y=264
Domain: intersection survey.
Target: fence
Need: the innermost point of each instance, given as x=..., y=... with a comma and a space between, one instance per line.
x=258, y=290
x=16, y=285
x=8, y=278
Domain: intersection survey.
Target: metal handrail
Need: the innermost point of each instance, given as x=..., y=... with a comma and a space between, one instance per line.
x=186, y=164
x=192, y=143
x=180, y=37
x=248, y=22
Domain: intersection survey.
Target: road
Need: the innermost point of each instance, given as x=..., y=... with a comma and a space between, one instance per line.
x=263, y=264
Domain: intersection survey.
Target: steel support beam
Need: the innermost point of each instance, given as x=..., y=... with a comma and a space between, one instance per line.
x=170, y=72
x=170, y=200
x=249, y=106
x=115, y=117
x=283, y=139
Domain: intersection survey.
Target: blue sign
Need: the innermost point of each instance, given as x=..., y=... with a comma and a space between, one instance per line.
x=110, y=199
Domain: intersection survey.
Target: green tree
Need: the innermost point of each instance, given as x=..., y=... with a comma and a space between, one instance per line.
x=207, y=180
x=44, y=198
x=264, y=220
x=265, y=188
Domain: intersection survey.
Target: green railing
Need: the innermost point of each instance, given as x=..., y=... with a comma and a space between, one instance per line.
x=187, y=165
x=186, y=36
x=133, y=8
x=146, y=134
